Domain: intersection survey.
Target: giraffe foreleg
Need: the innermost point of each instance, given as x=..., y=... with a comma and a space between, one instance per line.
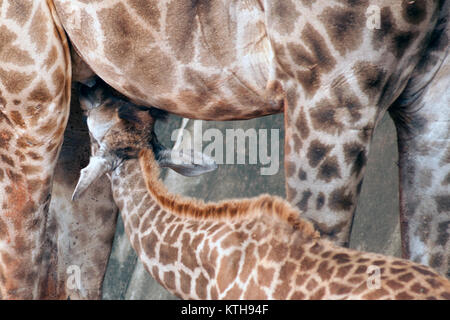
x=326, y=148
x=34, y=105
x=84, y=229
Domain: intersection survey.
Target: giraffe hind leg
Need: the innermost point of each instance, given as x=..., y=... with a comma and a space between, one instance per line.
x=422, y=118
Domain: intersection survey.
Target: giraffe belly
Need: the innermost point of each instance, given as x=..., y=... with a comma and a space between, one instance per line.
x=209, y=61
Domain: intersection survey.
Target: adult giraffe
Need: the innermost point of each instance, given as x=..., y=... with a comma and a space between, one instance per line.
x=317, y=61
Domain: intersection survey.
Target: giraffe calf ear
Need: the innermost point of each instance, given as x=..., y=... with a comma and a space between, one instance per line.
x=188, y=163
x=96, y=168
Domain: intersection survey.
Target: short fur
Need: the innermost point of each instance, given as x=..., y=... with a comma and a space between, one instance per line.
x=234, y=209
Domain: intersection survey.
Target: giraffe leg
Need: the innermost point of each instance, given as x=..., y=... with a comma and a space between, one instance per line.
x=83, y=231
x=34, y=104
x=326, y=148
x=422, y=117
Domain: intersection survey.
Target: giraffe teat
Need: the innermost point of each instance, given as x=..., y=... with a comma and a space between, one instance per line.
x=120, y=130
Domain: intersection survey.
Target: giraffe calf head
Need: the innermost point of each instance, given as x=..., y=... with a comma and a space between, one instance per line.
x=119, y=130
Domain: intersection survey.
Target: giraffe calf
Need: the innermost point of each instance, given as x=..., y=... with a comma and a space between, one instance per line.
x=257, y=248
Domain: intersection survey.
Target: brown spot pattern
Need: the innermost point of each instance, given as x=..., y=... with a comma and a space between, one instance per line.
x=38, y=30
x=314, y=62
x=370, y=77
x=229, y=267
x=181, y=28
x=355, y=156
x=19, y=10
x=341, y=199
x=398, y=41
x=15, y=81
x=147, y=10
x=344, y=27
x=329, y=170
x=414, y=11
x=324, y=117
x=283, y=15
x=10, y=52
x=317, y=152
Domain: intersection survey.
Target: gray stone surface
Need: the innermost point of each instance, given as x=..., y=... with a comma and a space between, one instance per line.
x=375, y=226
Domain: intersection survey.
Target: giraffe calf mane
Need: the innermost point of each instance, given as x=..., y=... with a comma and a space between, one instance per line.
x=235, y=209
